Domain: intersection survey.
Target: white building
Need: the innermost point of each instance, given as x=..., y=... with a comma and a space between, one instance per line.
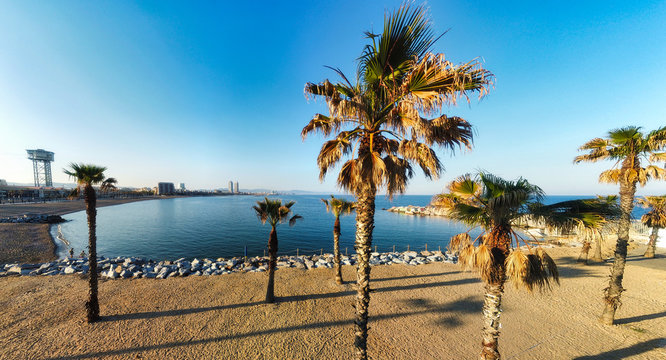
x=231, y=186
x=237, y=188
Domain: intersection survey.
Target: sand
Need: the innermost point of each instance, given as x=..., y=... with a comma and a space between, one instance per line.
x=31, y=243
x=423, y=312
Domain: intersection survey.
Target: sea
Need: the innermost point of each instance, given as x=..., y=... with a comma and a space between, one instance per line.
x=227, y=226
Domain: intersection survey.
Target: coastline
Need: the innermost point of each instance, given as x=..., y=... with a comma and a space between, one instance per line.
x=33, y=243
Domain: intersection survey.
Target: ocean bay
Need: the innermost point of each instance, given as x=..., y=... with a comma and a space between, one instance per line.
x=212, y=227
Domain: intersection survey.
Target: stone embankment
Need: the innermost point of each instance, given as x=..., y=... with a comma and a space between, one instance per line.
x=33, y=219
x=418, y=210
x=125, y=268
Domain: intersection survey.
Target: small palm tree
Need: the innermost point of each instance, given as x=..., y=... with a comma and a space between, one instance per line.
x=627, y=147
x=109, y=185
x=495, y=205
x=399, y=82
x=86, y=176
x=338, y=207
x=274, y=213
x=655, y=218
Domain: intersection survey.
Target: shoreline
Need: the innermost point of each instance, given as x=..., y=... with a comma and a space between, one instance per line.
x=25, y=243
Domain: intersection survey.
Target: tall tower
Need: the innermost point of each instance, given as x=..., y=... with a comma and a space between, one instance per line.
x=41, y=166
x=237, y=188
x=231, y=187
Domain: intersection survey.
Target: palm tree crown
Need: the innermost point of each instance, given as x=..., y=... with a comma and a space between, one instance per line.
x=86, y=174
x=656, y=217
x=274, y=212
x=494, y=204
x=338, y=206
x=109, y=184
x=397, y=81
x=631, y=144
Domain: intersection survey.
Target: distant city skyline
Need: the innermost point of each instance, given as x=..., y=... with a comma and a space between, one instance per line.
x=196, y=93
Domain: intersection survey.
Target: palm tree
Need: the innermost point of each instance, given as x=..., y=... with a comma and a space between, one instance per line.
x=655, y=218
x=109, y=185
x=338, y=207
x=626, y=146
x=377, y=121
x=495, y=205
x=86, y=176
x=274, y=213
x=586, y=216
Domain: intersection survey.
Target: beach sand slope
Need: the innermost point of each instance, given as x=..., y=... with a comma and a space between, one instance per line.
x=417, y=312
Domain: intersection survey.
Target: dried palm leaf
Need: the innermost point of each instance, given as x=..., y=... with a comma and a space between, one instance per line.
x=466, y=257
x=483, y=262
x=537, y=276
x=459, y=241
x=516, y=268
x=548, y=264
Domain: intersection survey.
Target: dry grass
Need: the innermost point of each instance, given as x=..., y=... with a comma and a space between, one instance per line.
x=425, y=312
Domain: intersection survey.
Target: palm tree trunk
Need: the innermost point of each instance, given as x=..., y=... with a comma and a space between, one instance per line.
x=491, y=321
x=336, y=250
x=652, y=244
x=614, y=289
x=597, y=249
x=92, y=305
x=365, y=222
x=582, y=257
x=272, y=262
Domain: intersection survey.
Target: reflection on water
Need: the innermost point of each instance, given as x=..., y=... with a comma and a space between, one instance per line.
x=222, y=226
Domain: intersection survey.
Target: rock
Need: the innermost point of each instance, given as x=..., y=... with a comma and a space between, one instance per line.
x=111, y=274
x=16, y=269
x=299, y=265
x=125, y=274
x=411, y=254
x=183, y=271
x=118, y=269
x=150, y=275
x=70, y=270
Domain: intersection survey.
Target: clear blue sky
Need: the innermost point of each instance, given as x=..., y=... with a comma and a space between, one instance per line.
x=207, y=92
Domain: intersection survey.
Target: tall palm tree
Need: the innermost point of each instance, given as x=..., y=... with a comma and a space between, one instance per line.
x=86, y=176
x=377, y=122
x=495, y=205
x=627, y=147
x=655, y=218
x=586, y=216
x=338, y=207
x=274, y=213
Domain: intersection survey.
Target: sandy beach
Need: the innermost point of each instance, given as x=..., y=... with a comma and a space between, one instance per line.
x=32, y=243
x=417, y=312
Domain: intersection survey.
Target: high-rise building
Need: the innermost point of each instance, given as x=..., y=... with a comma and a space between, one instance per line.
x=237, y=188
x=231, y=186
x=165, y=188
x=181, y=186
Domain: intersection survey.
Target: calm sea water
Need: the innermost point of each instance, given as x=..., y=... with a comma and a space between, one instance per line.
x=223, y=226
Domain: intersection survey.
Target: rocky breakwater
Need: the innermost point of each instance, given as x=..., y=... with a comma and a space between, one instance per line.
x=33, y=219
x=419, y=210
x=134, y=268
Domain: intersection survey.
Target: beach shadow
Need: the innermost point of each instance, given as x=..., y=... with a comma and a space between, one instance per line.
x=640, y=318
x=281, y=299
x=415, y=276
x=467, y=304
x=628, y=351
